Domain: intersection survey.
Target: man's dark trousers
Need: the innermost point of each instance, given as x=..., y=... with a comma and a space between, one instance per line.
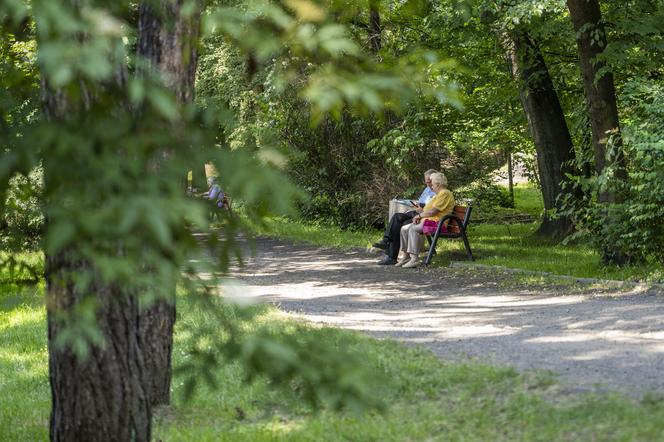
x=393, y=232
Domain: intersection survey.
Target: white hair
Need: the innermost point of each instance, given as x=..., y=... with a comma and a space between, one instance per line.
x=439, y=178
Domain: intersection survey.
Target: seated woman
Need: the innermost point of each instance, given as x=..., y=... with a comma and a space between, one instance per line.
x=411, y=234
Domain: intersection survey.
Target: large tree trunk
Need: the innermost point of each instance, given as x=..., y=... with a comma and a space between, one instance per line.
x=600, y=97
x=102, y=397
x=546, y=122
x=167, y=41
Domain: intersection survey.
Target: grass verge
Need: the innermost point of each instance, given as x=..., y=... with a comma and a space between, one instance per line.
x=427, y=399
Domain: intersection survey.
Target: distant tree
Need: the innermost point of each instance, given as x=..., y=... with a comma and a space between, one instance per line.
x=374, y=26
x=547, y=125
x=542, y=108
x=167, y=43
x=601, y=103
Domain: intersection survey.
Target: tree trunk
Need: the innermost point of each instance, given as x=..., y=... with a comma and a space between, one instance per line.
x=101, y=398
x=156, y=341
x=510, y=176
x=167, y=41
x=600, y=99
x=600, y=91
x=546, y=122
x=374, y=27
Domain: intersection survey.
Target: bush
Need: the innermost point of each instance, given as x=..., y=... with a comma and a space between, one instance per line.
x=486, y=194
x=345, y=209
x=632, y=226
x=23, y=221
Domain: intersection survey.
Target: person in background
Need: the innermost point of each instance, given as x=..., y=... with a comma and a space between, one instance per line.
x=215, y=193
x=411, y=234
x=391, y=238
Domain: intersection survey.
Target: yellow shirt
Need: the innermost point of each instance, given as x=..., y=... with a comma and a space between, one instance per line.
x=443, y=201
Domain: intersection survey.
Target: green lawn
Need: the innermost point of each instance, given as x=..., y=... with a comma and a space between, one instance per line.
x=528, y=199
x=24, y=391
x=426, y=399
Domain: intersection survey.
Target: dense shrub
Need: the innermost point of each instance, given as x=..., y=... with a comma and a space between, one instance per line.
x=633, y=224
x=485, y=193
x=23, y=221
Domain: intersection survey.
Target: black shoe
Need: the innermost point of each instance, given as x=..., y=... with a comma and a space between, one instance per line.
x=387, y=261
x=382, y=244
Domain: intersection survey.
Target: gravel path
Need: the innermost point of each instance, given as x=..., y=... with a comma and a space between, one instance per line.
x=594, y=340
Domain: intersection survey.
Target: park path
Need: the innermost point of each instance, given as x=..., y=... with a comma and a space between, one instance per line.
x=594, y=340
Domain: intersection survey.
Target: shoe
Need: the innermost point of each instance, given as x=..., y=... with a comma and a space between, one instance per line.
x=414, y=262
x=387, y=261
x=382, y=244
x=402, y=261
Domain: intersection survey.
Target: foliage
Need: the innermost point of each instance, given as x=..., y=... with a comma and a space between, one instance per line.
x=636, y=230
x=485, y=193
x=23, y=221
x=634, y=56
x=351, y=163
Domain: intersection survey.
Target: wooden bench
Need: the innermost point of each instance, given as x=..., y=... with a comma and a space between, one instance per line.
x=455, y=225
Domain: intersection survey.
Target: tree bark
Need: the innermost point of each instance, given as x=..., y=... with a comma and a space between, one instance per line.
x=167, y=42
x=510, y=176
x=101, y=398
x=599, y=90
x=546, y=121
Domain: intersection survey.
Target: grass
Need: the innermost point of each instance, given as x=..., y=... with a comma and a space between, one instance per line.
x=528, y=199
x=427, y=399
x=24, y=391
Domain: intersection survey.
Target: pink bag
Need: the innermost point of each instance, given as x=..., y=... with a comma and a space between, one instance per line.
x=429, y=227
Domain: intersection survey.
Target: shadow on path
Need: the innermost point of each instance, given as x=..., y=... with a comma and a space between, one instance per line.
x=594, y=341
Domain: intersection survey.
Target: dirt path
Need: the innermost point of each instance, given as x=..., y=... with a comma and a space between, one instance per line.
x=595, y=341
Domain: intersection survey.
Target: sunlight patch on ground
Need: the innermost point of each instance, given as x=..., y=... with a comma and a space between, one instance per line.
x=509, y=301
x=313, y=290
x=591, y=356
x=563, y=339
x=371, y=321
x=20, y=317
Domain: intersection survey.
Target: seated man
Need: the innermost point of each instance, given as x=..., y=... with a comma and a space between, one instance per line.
x=391, y=241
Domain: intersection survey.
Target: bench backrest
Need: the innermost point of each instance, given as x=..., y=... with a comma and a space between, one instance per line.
x=463, y=212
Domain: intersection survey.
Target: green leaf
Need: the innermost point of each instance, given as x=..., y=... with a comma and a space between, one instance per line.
x=59, y=235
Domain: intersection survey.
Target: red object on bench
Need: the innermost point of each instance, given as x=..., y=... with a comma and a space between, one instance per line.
x=451, y=226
